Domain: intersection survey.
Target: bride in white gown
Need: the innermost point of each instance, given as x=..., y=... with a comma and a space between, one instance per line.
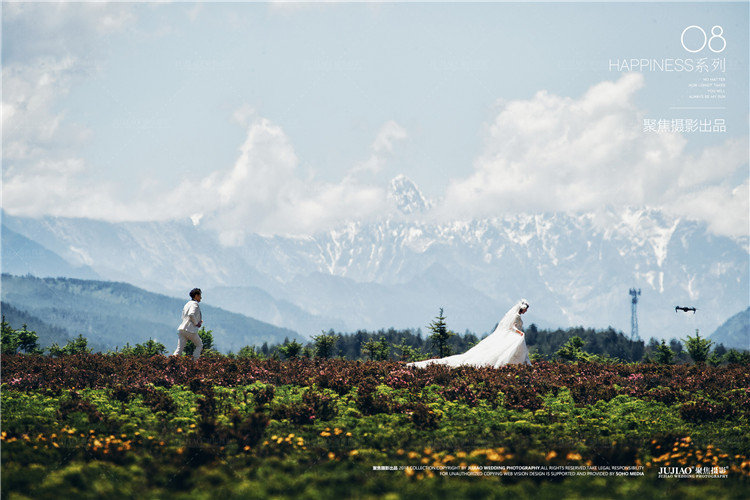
x=506, y=345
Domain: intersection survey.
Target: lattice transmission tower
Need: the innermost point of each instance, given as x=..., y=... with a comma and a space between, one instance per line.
x=634, y=314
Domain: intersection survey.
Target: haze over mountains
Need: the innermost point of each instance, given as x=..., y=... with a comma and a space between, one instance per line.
x=111, y=314
x=574, y=269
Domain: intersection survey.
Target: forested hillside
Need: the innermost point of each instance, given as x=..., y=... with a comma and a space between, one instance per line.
x=47, y=333
x=111, y=314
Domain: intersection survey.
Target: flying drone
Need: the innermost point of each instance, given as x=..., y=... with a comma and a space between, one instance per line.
x=684, y=309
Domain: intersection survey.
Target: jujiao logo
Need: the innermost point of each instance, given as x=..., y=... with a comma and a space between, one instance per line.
x=666, y=472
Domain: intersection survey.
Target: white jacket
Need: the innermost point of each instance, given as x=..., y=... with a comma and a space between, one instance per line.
x=191, y=317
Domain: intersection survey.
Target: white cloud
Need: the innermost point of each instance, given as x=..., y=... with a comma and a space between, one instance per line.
x=382, y=148
x=44, y=29
x=265, y=192
x=725, y=208
x=42, y=172
x=262, y=178
x=548, y=153
x=196, y=218
x=243, y=116
x=50, y=48
x=389, y=133
x=59, y=187
x=31, y=125
x=553, y=153
x=47, y=48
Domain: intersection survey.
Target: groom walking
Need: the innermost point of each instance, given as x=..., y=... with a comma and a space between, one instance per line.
x=191, y=321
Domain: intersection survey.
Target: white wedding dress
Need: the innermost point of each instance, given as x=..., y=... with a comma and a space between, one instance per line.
x=505, y=346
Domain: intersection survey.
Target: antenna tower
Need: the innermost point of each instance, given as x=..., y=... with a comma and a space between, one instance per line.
x=633, y=315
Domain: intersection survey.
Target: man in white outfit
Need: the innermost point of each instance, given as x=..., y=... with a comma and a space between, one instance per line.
x=191, y=321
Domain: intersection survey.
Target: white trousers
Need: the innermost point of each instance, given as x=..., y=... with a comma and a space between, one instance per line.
x=184, y=336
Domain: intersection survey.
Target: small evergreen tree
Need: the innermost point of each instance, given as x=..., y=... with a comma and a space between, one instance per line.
x=571, y=350
x=440, y=335
x=290, y=350
x=148, y=349
x=28, y=341
x=325, y=344
x=78, y=345
x=664, y=355
x=55, y=350
x=9, y=339
x=733, y=356
x=535, y=355
x=408, y=353
x=698, y=348
x=250, y=353
x=376, y=350
x=714, y=359
x=127, y=350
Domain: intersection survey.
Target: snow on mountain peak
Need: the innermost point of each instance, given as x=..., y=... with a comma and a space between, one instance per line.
x=409, y=199
x=576, y=267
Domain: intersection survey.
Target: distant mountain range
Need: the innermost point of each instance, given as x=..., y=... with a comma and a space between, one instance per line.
x=735, y=332
x=575, y=269
x=110, y=314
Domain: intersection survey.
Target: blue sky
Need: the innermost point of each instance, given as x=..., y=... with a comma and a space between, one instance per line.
x=287, y=118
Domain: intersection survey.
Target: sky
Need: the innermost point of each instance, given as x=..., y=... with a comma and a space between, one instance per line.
x=288, y=118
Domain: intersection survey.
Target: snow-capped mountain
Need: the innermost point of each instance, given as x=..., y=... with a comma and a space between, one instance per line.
x=407, y=196
x=574, y=269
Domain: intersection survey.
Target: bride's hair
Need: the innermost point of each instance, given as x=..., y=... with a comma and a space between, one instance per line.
x=509, y=320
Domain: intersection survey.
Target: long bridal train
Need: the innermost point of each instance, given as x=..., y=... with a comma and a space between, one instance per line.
x=505, y=346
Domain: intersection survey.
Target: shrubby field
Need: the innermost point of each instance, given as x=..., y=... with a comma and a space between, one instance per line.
x=114, y=426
